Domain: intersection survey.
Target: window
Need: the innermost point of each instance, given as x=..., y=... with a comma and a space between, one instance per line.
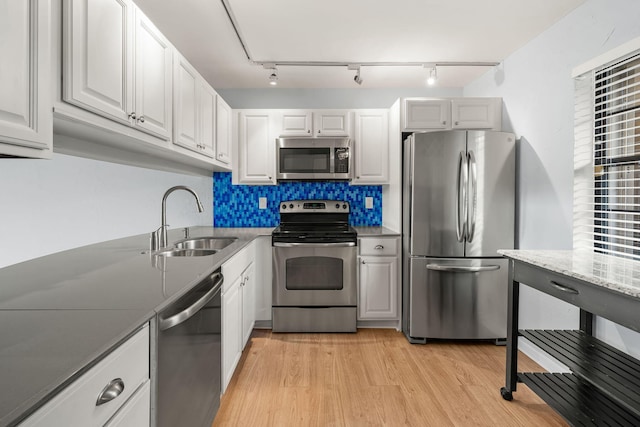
x=607, y=159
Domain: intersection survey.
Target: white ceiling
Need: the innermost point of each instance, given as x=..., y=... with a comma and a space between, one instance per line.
x=350, y=31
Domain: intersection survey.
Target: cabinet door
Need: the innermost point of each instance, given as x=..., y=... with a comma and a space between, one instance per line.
x=332, y=123
x=224, y=125
x=476, y=113
x=206, y=118
x=296, y=123
x=421, y=114
x=257, y=148
x=25, y=88
x=248, y=303
x=185, y=103
x=231, y=330
x=98, y=57
x=153, y=78
x=378, y=288
x=372, y=147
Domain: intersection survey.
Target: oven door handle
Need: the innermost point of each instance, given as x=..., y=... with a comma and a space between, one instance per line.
x=314, y=245
x=188, y=312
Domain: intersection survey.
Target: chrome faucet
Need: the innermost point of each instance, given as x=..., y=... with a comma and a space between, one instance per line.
x=159, y=237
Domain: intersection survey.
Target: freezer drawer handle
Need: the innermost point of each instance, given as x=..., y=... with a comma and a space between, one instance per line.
x=187, y=313
x=379, y=247
x=461, y=269
x=564, y=288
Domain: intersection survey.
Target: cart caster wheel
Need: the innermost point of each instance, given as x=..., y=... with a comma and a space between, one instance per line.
x=506, y=394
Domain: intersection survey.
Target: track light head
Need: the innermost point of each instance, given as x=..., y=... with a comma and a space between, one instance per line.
x=273, y=78
x=357, y=77
x=433, y=76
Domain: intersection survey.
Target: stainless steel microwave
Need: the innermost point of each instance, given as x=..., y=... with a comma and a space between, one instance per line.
x=314, y=159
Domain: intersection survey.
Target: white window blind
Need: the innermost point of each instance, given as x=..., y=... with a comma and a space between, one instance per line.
x=607, y=159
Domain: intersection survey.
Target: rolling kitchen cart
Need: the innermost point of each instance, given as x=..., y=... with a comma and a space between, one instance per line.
x=603, y=387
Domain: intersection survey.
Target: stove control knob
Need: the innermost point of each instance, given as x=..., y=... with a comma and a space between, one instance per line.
x=344, y=206
x=291, y=205
x=337, y=205
x=284, y=206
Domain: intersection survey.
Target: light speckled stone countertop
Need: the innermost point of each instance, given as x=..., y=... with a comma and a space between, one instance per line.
x=611, y=272
x=376, y=232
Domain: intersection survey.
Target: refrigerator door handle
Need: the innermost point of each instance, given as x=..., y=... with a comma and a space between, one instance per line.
x=461, y=218
x=473, y=196
x=462, y=269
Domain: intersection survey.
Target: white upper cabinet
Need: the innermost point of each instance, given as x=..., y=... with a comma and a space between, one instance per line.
x=296, y=123
x=256, y=148
x=314, y=123
x=458, y=113
x=153, y=78
x=98, y=57
x=331, y=123
x=420, y=114
x=194, y=109
x=224, y=131
x=476, y=113
x=106, y=44
x=207, y=118
x=371, y=144
x=25, y=79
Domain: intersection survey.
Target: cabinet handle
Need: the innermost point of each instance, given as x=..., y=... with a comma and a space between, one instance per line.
x=141, y=119
x=318, y=130
x=456, y=123
x=378, y=247
x=309, y=131
x=444, y=122
x=363, y=262
x=132, y=116
x=563, y=288
x=110, y=392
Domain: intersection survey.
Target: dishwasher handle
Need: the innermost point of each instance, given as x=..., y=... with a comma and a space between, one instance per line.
x=188, y=312
x=314, y=245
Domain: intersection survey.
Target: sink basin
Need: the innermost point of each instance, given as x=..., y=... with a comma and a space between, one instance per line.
x=199, y=243
x=186, y=252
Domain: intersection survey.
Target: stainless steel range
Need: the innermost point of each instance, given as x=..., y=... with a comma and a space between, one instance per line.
x=314, y=268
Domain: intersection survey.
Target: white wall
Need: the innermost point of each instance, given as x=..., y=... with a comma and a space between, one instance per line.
x=537, y=90
x=48, y=206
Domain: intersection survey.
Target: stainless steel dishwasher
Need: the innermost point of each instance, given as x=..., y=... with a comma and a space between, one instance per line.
x=189, y=354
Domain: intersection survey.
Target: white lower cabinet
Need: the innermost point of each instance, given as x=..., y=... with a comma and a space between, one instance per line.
x=238, y=309
x=125, y=369
x=379, y=279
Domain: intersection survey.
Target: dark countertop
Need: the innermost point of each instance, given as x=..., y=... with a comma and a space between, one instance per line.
x=62, y=312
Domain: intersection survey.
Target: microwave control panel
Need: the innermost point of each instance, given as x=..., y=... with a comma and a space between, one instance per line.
x=341, y=160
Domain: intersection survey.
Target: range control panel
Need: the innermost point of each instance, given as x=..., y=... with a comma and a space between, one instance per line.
x=314, y=206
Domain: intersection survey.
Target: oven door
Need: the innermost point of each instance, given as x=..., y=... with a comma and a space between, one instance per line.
x=314, y=274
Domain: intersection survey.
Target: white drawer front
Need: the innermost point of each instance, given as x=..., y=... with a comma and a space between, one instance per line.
x=378, y=246
x=76, y=404
x=137, y=411
x=234, y=266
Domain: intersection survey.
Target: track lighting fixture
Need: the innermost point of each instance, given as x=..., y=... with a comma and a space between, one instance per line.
x=357, y=77
x=273, y=78
x=433, y=76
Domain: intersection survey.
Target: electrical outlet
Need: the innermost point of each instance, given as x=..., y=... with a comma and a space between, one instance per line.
x=368, y=202
x=262, y=203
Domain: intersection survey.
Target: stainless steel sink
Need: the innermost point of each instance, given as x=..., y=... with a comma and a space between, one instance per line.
x=205, y=243
x=185, y=252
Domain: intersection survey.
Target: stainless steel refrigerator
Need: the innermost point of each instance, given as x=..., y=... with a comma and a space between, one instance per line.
x=458, y=210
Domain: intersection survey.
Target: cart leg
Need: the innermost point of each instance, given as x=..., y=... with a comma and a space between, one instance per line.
x=512, y=337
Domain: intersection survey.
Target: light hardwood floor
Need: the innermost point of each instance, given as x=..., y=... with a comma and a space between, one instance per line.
x=375, y=378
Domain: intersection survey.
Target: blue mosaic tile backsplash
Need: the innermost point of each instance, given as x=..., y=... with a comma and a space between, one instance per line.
x=237, y=205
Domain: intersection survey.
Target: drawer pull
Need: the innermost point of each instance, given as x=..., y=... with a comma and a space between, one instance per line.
x=111, y=391
x=378, y=247
x=564, y=288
